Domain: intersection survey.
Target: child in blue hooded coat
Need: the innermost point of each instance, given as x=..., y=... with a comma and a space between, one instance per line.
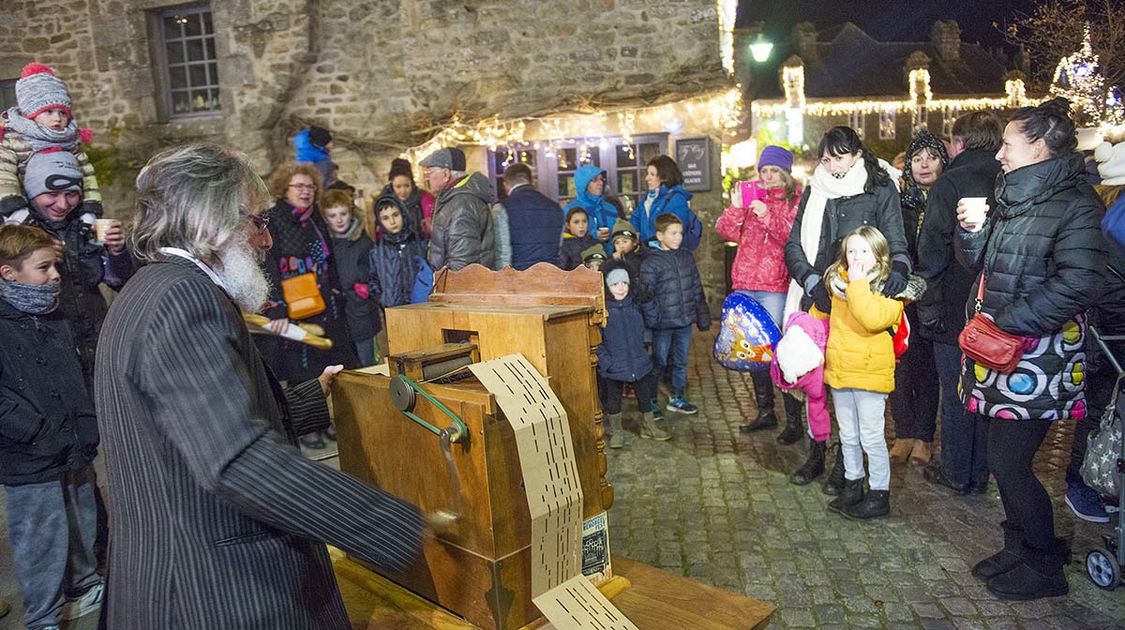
x=589, y=181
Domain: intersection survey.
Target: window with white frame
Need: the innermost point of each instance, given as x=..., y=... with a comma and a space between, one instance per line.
x=554, y=166
x=855, y=121
x=921, y=118
x=948, y=116
x=887, y=124
x=188, y=61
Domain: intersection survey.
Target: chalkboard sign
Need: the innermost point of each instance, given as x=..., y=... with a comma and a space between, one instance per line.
x=693, y=155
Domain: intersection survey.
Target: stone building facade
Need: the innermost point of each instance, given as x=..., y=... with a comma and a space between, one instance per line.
x=383, y=75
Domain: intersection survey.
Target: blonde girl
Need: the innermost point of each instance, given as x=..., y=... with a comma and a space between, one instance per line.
x=860, y=367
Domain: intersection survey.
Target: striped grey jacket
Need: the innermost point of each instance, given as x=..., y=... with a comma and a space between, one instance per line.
x=216, y=521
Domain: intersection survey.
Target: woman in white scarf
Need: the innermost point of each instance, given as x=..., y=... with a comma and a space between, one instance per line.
x=849, y=188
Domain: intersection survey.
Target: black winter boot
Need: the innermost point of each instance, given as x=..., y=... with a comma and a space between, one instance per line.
x=794, y=428
x=877, y=503
x=850, y=495
x=1039, y=575
x=835, y=481
x=1004, y=560
x=813, y=466
x=763, y=391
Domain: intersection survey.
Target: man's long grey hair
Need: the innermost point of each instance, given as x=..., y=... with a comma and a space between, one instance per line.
x=193, y=197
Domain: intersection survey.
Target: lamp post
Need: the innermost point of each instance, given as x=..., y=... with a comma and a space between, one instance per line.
x=760, y=48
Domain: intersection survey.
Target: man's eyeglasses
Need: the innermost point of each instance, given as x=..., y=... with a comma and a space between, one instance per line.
x=260, y=222
x=303, y=186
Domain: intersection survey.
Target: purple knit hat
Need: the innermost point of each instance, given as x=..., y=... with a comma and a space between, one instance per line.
x=774, y=155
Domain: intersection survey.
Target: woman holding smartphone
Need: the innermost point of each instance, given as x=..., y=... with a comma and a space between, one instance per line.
x=760, y=221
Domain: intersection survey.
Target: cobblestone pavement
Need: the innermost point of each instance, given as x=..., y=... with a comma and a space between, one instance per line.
x=716, y=505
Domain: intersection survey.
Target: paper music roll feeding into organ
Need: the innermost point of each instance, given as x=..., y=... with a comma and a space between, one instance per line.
x=747, y=335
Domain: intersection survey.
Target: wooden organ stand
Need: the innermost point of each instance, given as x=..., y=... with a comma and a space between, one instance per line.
x=457, y=453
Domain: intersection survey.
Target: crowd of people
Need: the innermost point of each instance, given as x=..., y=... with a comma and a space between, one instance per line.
x=877, y=267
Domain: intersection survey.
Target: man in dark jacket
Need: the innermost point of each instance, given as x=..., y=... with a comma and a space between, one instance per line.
x=535, y=222
x=971, y=173
x=462, y=230
x=221, y=523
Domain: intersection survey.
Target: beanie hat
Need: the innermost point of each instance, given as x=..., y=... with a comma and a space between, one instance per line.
x=319, y=136
x=774, y=155
x=38, y=90
x=623, y=229
x=1111, y=163
x=616, y=276
x=593, y=252
x=51, y=170
x=451, y=158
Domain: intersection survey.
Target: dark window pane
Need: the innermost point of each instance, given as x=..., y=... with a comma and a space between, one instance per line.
x=195, y=50
x=566, y=186
x=527, y=157
x=7, y=94
x=568, y=159
x=212, y=74
x=177, y=77
x=626, y=155
x=181, y=102
x=194, y=25
x=198, y=74
x=207, y=26
x=200, y=100
x=175, y=52
x=172, y=27
x=215, y=105
x=210, y=42
x=591, y=156
x=646, y=152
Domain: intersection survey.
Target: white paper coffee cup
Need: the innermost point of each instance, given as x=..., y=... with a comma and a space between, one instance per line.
x=101, y=227
x=976, y=208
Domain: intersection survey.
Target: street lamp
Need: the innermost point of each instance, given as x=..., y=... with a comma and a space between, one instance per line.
x=761, y=48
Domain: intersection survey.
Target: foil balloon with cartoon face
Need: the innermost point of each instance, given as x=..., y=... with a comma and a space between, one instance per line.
x=747, y=335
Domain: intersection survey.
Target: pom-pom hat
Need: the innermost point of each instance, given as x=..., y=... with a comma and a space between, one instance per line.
x=39, y=90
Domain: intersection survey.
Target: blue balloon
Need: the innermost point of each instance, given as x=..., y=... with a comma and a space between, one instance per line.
x=747, y=335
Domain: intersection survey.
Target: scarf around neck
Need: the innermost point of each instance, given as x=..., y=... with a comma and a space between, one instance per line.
x=822, y=188
x=40, y=137
x=33, y=299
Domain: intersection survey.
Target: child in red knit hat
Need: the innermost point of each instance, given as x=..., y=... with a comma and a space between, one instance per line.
x=42, y=119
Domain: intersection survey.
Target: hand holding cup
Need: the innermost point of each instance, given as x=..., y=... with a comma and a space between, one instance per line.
x=110, y=233
x=971, y=213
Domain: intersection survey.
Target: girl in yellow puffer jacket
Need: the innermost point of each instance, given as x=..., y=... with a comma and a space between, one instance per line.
x=860, y=367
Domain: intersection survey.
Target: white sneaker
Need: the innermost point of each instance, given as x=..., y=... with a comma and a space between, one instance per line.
x=84, y=604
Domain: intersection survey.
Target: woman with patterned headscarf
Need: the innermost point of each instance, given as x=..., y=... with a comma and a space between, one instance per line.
x=914, y=402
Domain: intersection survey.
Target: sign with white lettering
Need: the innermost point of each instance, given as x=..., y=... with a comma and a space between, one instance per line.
x=693, y=155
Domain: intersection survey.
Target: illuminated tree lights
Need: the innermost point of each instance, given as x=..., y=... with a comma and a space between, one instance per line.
x=1079, y=80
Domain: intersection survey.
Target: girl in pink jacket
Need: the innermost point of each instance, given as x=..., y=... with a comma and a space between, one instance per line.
x=761, y=227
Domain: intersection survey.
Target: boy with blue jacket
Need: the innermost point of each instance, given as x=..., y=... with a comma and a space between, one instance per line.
x=671, y=280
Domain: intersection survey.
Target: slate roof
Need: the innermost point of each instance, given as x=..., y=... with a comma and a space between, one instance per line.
x=851, y=64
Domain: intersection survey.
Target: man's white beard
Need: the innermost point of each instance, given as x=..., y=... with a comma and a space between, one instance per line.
x=242, y=276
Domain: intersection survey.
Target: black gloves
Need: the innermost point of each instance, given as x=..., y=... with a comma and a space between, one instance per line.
x=821, y=298
x=896, y=282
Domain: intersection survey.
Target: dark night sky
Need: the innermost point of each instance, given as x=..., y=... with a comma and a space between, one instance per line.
x=907, y=20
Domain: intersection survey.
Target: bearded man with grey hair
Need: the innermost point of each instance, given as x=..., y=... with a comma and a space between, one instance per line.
x=217, y=521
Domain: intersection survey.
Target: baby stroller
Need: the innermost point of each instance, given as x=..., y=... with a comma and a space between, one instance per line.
x=1104, y=469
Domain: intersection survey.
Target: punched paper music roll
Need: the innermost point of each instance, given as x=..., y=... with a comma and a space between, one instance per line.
x=554, y=496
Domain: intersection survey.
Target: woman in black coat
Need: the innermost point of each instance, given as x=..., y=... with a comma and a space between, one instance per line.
x=1041, y=256
x=302, y=245
x=850, y=188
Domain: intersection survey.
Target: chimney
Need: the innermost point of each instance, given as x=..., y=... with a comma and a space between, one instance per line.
x=946, y=38
x=804, y=39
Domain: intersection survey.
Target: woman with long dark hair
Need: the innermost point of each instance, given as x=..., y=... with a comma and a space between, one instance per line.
x=849, y=188
x=1041, y=256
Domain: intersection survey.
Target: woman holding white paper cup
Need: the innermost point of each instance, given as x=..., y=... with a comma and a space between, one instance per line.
x=53, y=183
x=759, y=220
x=1041, y=255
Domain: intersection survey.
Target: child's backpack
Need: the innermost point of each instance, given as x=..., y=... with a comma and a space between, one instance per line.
x=747, y=335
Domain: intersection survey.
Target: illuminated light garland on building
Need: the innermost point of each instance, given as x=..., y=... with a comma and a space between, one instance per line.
x=722, y=111
x=727, y=11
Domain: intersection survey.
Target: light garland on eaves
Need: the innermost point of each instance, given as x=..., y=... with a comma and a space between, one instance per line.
x=721, y=112
x=920, y=96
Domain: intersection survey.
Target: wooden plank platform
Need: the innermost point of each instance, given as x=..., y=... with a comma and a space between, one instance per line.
x=655, y=600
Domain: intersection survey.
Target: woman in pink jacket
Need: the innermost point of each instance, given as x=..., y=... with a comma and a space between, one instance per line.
x=761, y=227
